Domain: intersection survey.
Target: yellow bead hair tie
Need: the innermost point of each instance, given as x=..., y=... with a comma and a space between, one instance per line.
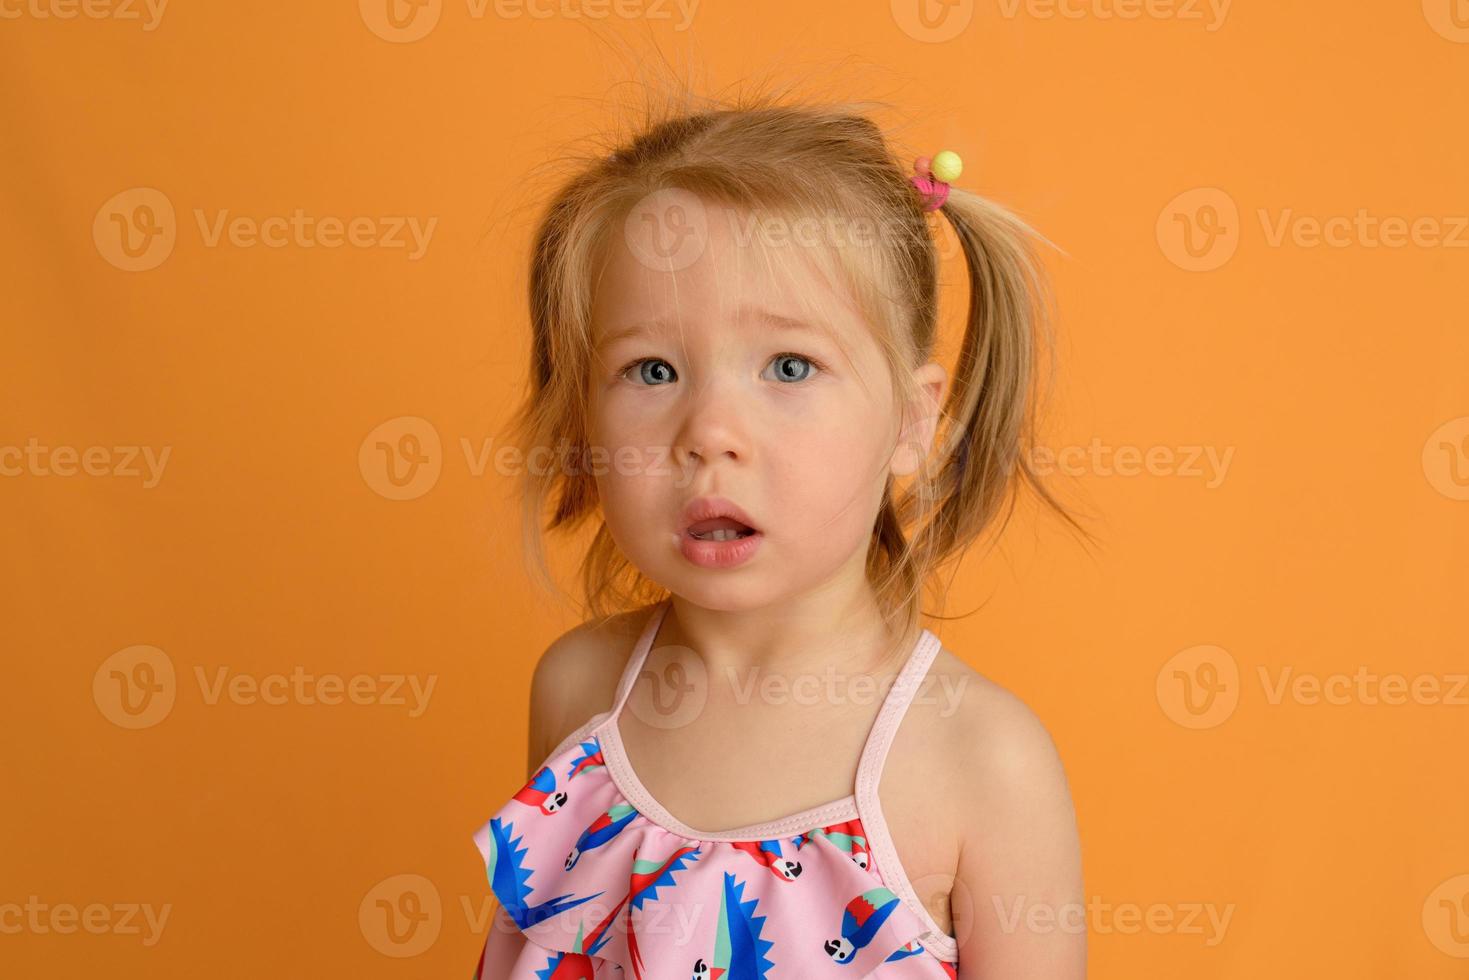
x=933, y=176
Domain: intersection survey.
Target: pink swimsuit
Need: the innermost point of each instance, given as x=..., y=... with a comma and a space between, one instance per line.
x=597, y=881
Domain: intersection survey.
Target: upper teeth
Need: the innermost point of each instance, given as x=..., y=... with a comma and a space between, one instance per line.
x=722, y=534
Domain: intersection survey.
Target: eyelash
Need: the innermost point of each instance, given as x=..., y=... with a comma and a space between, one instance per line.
x=820, y=367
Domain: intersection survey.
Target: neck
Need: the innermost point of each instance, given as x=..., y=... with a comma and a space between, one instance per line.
x=799, y=634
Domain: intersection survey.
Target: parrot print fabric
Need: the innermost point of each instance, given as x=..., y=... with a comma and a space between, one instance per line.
x=591, y=889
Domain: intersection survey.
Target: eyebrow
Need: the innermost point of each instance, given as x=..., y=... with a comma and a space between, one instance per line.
x=767, y=318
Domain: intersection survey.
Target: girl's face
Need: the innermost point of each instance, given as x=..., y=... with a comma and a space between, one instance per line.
x=722, y=379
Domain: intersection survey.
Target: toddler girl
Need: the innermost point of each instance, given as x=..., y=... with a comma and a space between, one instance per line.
x=735, y=318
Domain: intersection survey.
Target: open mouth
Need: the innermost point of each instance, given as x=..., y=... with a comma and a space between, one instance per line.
x=719, y=529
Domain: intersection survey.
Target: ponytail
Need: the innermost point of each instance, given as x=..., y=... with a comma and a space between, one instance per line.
x=984, y=446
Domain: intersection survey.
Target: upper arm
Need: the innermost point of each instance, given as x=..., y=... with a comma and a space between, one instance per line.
x=574, y=679
x=552, y=691
x=1019, y=909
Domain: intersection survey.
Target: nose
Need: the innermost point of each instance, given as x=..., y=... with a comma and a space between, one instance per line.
x=713, y=426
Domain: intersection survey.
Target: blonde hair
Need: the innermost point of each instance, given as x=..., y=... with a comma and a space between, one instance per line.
x=764, y=154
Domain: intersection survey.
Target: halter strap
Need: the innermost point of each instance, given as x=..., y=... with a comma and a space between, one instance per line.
x=864, y=802
x=639, y=655
x=905, y=687
x=879, y=738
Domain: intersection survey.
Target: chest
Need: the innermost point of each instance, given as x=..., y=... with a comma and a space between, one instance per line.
x=732, y=766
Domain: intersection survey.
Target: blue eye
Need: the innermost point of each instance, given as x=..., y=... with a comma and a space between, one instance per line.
x=788, y=367
x=652, y=371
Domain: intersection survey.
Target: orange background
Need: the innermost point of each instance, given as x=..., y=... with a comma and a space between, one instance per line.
x=278, y=835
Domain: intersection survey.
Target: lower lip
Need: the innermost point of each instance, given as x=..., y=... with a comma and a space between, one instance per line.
x=719, y=554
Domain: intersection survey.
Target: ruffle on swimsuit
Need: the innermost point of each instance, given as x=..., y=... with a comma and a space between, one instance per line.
x=597, y=881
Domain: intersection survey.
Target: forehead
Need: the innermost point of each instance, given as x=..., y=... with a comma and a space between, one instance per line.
x=724, y=268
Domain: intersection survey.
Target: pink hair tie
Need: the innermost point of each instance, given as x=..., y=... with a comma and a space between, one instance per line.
x=933, y=176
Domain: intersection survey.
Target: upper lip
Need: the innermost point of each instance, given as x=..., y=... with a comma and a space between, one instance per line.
x=708, y=508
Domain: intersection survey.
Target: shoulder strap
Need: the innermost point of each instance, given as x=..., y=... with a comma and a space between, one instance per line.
x=869, y=807
x=894, y=707
x=637, y=657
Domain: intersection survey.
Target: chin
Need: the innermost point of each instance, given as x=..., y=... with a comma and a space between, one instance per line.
x=735, y=590
x=716, y=592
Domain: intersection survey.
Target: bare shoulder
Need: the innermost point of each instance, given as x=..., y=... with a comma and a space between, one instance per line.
x=995, y=740
x=1015, y=828
x=576, y=677
x=983, y=745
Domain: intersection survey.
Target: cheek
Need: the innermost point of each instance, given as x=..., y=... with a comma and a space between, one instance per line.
x=625, y=437
x=635, y=419
x=634, y=466
x=831, y=475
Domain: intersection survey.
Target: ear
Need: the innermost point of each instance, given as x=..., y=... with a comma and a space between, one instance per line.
x=920, y=419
